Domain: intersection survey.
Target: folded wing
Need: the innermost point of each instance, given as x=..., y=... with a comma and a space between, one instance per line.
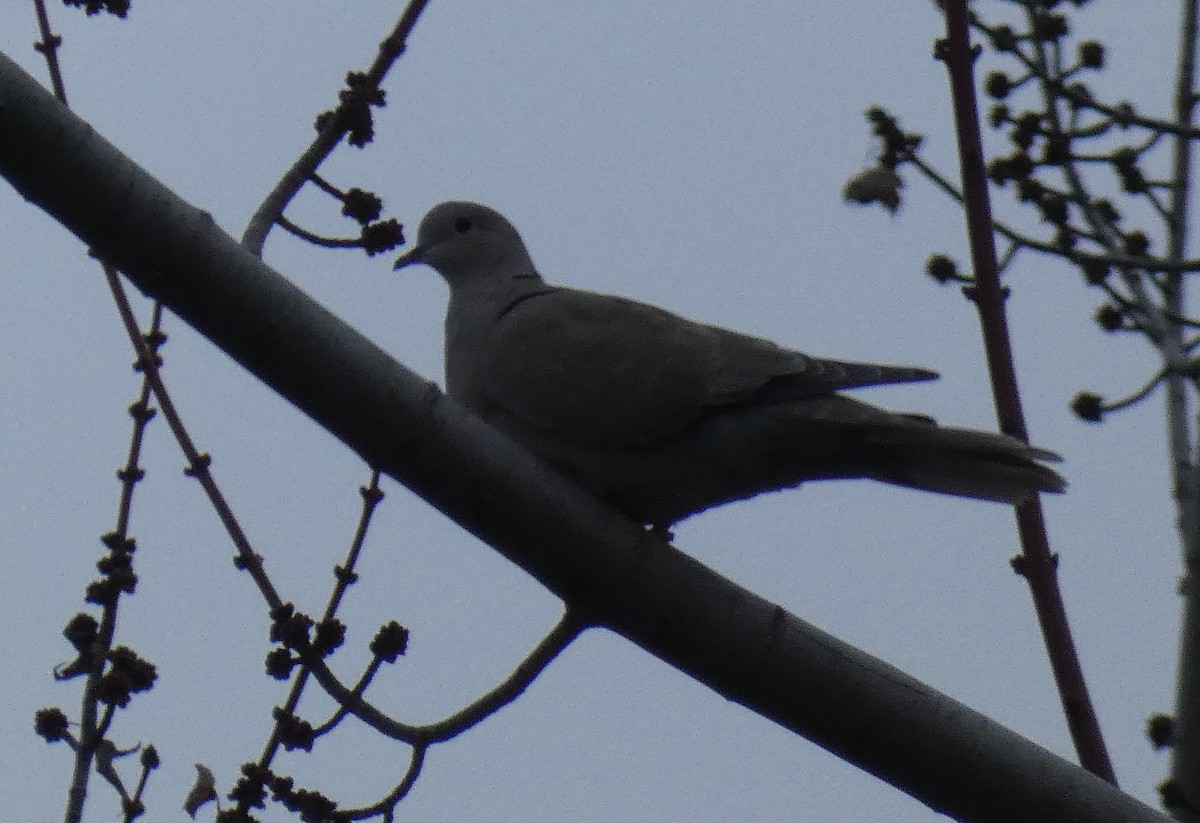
x=612, y=372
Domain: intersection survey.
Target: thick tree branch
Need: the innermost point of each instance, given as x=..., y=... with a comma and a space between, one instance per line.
x=608, y=570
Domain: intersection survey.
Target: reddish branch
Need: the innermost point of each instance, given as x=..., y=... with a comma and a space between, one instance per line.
x=1036, y=562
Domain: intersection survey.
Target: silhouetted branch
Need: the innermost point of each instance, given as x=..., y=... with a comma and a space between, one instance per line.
x=1037, y=561
x=331, y=131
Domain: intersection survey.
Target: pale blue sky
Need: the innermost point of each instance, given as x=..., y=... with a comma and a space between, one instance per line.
x=691, y=156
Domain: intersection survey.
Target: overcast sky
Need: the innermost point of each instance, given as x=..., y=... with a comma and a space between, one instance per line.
x=685, y=154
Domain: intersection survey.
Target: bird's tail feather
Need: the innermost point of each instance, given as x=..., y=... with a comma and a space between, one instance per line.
x=965, y=463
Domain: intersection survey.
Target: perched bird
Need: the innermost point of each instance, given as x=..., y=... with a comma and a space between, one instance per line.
x=662, y=416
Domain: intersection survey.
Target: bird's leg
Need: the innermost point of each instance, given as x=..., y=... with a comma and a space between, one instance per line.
x=661, y=532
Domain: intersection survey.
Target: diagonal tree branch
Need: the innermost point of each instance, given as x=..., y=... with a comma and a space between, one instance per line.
x=329, y=136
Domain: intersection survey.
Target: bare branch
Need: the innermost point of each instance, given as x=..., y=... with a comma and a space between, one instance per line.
x=1038, y=563
x=328, y=137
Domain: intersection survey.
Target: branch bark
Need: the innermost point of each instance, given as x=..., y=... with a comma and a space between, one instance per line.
x=611, y=572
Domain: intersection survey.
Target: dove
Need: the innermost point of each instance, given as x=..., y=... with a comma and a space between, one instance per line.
x=663, y=417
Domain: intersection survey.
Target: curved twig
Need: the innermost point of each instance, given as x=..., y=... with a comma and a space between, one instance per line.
x=272, y=207
x=550, y=646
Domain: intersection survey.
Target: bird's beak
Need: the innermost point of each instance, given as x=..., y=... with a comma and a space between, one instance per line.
x=414, y=255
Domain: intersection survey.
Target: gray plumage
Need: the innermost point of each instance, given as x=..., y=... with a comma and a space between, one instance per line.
x=662, y=416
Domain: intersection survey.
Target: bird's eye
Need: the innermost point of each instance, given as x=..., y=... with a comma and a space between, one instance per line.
x=462, y=225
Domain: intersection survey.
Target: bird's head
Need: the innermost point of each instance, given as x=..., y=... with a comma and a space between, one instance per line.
x=467, y=242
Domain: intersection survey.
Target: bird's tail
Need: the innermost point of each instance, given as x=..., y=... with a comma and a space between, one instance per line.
x=964, y=462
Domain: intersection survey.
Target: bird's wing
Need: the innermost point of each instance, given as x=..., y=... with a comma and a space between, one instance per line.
x=756, y=370
x=599, y=369
x=608, y=371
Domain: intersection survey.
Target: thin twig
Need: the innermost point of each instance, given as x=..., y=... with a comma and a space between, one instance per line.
x=345, y=575
x=198, y=462
x=1086, y=101
x=273, y=205
x=550, y=646
x=93, y=730
x=317, y=239
x=1110, y=256
x=386, y=807
x=1038, y=562
x=1185, y=762
x=1138, y=396
x=48, y=48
